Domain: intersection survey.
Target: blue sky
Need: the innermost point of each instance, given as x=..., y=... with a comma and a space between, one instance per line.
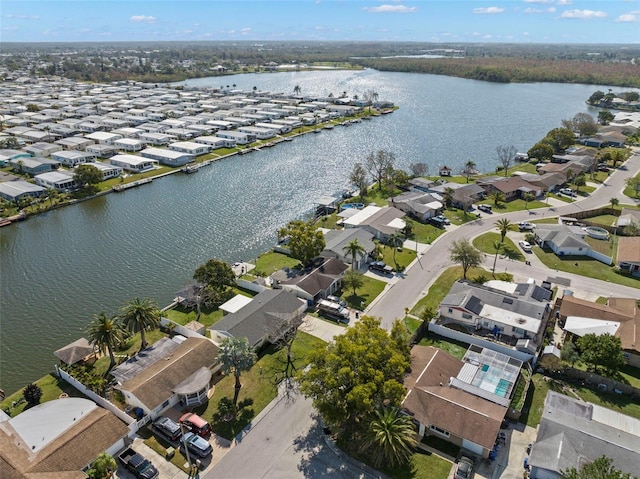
x=522, y=21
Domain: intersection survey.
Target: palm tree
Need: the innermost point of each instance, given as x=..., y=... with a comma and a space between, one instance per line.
x=52, y=193
x=469, y=169
x=504, y=226
x=139, y=315
x=497, y=197
x=390, y=437
x=236, y=355
x=448, y=196
x=579, y=181
x=614, y=202
x=297, y=90
x=106, y=334
x=395, y=241
x=498, y=247
x=528, y=197
x=354, y=248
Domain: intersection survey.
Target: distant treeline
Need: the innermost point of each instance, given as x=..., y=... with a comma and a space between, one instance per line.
x=517, y=70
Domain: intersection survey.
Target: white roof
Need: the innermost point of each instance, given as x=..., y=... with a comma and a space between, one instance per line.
x=130, y=159
x=41, y=424
x=581, y=326
x=102, y=135
x=509, y=318
x=505, y=286
x=397, y=223
x=128, y=141
x=236, y=303
x=362, y=215
x=55, y=176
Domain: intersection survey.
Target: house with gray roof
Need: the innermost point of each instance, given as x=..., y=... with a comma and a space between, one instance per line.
x=382, y=222
x=337, y=240
x=508, y=314
x=573, y=433
x=262, y=320
x=312, y=283
x=567, y=240
x=15, y=190
x=33, y=166
x=417, y=204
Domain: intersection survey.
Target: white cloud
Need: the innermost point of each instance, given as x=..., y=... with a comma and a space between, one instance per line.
x=488, y=10
x=583, y=14
x=629, y=17
x=245, y=30
x=390, y=9
x=565, y=2
x=538, y=1
x=22, y=17
x=540, y=10
x=142, y=19
x=526, y=34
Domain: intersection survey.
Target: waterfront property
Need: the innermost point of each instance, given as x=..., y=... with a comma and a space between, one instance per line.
x=190, y=147
x=382, y=222
x=167, y=157
x=215, y=142
x=167, y=372
x=60, y=180
x=15, y=190
x=33, y=166
x=135, y=164
x=417, y=204
x=264, y=319
x=337, y=240
x=108, y=171
x=314, y=284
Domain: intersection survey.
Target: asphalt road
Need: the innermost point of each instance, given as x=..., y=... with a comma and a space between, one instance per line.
x=421, y=274
x=288, y=442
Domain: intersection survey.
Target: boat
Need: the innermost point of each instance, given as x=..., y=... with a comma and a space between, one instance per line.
x=190, y=169
x=328, y=127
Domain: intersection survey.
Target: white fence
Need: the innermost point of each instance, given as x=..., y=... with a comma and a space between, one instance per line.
x=603, y=258
x=179, y=329
x=248, y=285
x=468, y=338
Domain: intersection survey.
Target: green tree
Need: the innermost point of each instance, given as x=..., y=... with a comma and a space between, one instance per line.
x=102, y=467
x=601, y=468
x=605, y=116
x=354, y=249
x=541, y=151
x=10, y=143
x=379, y=164
x=352, y=280
x=358, y=372
x=527, y=197
x=569, y=353
x=560, y=139
x=359, y=178
x=595, y=97
x=399, y=178
x=32, y=394
x=86, y=176
x=236, y=356
x=504, y=226
x=139, y=316
x=306, y=241
x=448, y=196
x=497, y=197
x=217, y=277
x=390, y=437
x=633, y=182
x=106, y=333
x=506, y=155
x=419, y=169
x=297, y=90
x=579, y=181
x=469, y=170
x=52, y=194
x=465, y=254
x=603, y=351
x=497, y=246
x=614, y=202
x=395, y=241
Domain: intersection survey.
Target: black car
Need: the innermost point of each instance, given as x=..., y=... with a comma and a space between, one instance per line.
x=437, y=222
x=381, y=267
x=168, y=428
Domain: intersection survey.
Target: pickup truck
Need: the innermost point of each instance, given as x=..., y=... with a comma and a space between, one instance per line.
x=137, y=464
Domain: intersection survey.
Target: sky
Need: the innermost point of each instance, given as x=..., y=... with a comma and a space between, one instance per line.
x=442, y=21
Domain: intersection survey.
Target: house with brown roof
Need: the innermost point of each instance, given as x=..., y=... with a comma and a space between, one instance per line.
x=35, y=446
x=628, y=256
x=312, y=283
x=511, y=187
x=170, y=371
x=619, y=317
x=459, y=401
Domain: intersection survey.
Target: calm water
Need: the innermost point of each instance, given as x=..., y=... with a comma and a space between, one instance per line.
x=59, y=269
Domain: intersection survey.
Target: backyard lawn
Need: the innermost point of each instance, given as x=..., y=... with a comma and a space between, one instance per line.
x=455, y=348
x=183, y=316
x=369, y=291
x=258, y=386
x=585, y=266
x=424, y=465
x=51, y=387
x=269, y=263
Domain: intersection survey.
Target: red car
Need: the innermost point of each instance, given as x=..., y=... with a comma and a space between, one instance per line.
x=196, y=424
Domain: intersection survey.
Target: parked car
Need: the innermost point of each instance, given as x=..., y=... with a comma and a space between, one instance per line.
x=444, y=219
x=525, y=245
x=464, y=468
x=140, y=466
x=336, y=299
x=485, y=208
x=437, y=222
x=603, y=167
x=168, y=428
x=381, y=267
x=196, y=424
x=526, y=226
x=568, y=192
x=196, y=445
x=333, y=311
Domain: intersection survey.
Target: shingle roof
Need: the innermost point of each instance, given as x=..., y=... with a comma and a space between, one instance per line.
x=628, y=249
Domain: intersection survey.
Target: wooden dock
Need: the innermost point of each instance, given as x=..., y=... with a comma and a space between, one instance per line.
x=133, y=184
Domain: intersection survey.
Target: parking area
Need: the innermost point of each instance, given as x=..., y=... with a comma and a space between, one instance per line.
x=509, y=461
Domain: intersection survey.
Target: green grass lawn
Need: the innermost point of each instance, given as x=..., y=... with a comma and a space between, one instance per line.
x=329, y=221
x=513, y=205
x=270, y=262
x=484, y=243
x=369, y=291
x=402, y=258
x=258, y=386
x=546, y=221
x=606, y=220
x=630, y=192
x=424, y=233
x=51, y=387
x=183, y=315
x=455, y=348
x=424, y=465
x=603, y=246
x=585, y=266
x=458, y=217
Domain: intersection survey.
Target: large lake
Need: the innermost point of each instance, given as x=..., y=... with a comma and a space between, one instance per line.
x=60, y=268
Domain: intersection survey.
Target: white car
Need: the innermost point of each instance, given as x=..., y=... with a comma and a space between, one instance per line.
x=525, y=245
x=526, y=226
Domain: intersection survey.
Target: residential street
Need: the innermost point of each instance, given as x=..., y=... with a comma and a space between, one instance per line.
x=421, y=274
